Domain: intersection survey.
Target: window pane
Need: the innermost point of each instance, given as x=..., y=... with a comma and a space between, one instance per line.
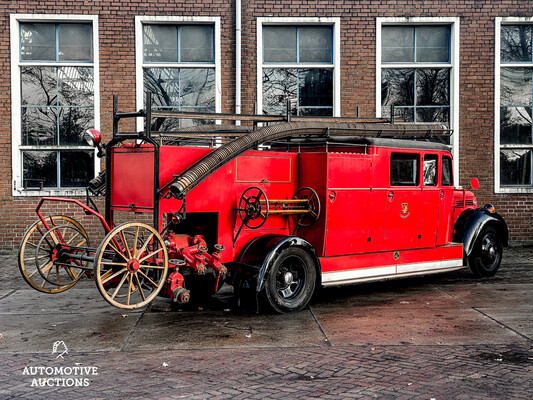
x=432, y=44
x=432, y=87
x=77, y=168
x=397, y=44
x=316, y=44
x=39, y=126
x=194, y=122
x=315, y=87
x=196, y=43
x=516, y=43
x=405, y=114
x=39, y=86
x=404, y=169
x=433, y=114
x=76, y=86
x=447, y=176
x=317, y=112
x=160, y=43
x=279, y=85
x=197, y=87
x=430, y=170
x=516, y=86
x=73, y=122
x=397, y=87
x=515, y=167
x=279, y=44
x=37, y=42
x=163, y=83
x=515, y=125
x=75, y=42
x=165, y=124
x=39, y=166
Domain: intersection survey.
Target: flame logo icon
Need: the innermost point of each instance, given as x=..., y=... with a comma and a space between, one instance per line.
x=60, y=347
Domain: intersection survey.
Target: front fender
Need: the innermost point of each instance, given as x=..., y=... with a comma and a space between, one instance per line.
x=470, y=224
x=263, y=251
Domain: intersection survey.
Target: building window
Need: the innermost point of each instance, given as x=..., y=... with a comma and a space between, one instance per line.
x=415, y=72
x=53, y=104
x=298, y=67
x=179, y=68
x=515, y=106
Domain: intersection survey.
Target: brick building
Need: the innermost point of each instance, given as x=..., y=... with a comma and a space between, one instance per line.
x=467, y=63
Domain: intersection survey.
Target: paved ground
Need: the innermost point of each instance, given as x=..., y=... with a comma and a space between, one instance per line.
x=437, y=337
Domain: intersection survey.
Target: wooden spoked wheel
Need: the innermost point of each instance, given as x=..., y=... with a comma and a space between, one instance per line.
x=27, y=257
x=51, y=256
x=131, y=265
x=313, y=207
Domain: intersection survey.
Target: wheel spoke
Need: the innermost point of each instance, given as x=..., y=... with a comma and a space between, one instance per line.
x=148, y=279
x=151, y=266
x=47, y=267
x=135, y=242
x=125, y=243
x=118, y=251
x=143, y=248
x=115, y=264
x=139, y=285
x=72, y=238
x=150, y=255
x=106, y=278
x=119, y=286
x=129, y=290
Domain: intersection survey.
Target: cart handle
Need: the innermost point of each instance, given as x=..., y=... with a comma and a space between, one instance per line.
x=87, y=210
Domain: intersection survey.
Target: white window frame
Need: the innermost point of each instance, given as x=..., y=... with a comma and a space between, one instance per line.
x=499, y=21
x=174, y=20
x=334, y=22
x=453, y=65
x=16, y=98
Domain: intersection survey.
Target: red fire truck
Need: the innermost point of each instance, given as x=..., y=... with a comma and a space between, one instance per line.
x=275, y=211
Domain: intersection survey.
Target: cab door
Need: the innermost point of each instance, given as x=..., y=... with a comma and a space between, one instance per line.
x=403, y=202
x=445, y=226
x=432, y=196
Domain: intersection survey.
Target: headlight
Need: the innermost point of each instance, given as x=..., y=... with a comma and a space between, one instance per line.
x=92, y=137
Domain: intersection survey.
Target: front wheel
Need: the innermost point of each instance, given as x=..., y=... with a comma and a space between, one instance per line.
x=291, y=280
x=486, y=255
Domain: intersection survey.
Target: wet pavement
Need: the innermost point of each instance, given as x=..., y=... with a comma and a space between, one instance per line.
x=435, y=337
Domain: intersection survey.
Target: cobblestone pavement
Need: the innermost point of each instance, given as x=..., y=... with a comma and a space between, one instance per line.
x=437, y=337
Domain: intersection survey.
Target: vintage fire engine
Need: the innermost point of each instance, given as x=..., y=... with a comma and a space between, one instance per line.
x=275, y=211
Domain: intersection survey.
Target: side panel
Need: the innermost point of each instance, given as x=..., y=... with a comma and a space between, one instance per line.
x=349, y=209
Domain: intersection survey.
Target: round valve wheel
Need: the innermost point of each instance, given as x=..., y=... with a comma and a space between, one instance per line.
x=131, y=265
x=313, y=205
x=55, y=268
x=27, y=256
x=253, y=214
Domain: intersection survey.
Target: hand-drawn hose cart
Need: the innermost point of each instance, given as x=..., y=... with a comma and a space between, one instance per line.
x=274, y=207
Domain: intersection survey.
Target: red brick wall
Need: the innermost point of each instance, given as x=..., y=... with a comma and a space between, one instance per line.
x=358, y=25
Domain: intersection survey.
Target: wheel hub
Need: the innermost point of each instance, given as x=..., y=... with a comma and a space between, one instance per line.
x=133, y=265
x=288, y=278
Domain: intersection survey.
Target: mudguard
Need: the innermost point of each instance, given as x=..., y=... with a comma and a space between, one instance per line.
x=470, y=224
x=255, y=260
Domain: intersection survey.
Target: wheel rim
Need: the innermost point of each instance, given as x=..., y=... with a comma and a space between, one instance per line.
x=490, y=253
x=27, y=253
x=290, y=278
x=50, y=264
x=131, y=265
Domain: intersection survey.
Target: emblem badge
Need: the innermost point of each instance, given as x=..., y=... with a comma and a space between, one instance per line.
x=405, y=210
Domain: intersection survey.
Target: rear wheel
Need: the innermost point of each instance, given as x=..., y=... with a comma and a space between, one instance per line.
x=291, y=280
x=486, y=255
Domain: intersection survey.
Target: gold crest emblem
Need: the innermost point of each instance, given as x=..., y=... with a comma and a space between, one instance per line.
x=405, y=208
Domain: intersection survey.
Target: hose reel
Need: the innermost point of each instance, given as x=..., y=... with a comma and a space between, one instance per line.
x=255, y=207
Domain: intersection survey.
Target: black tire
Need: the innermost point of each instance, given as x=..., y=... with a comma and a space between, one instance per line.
x=291, y=281
x=486, y=255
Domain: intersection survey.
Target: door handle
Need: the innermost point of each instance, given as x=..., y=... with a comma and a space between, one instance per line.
x=442, y=194
x=390, y=195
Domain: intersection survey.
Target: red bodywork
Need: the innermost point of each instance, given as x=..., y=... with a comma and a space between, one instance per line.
x=367, y=228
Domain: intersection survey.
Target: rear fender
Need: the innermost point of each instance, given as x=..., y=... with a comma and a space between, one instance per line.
x=470, y=224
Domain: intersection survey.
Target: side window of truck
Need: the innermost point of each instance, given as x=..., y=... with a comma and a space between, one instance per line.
x=430, y=169
x=446, y=176
x=404, y=169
